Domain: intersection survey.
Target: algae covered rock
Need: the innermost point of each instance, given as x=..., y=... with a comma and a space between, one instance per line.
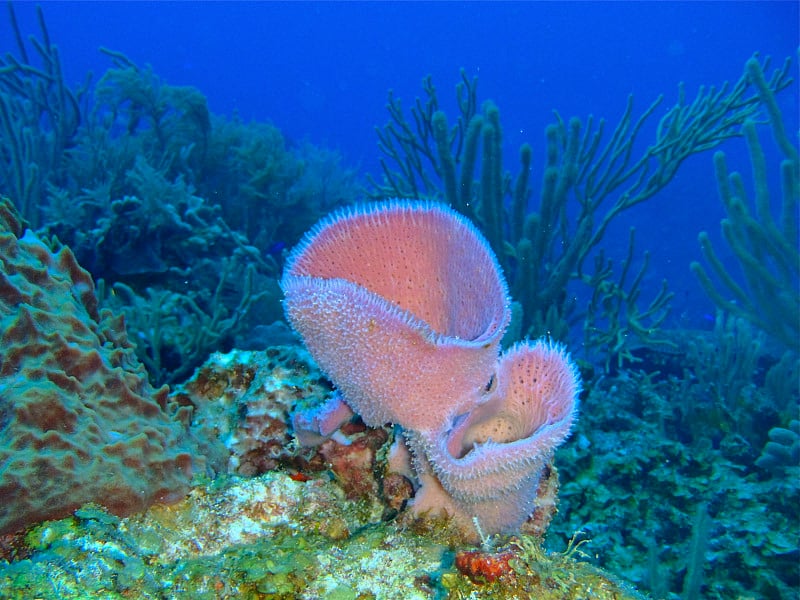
x=276, y=538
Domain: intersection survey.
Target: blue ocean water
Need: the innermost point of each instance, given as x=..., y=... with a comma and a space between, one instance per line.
x=321, y=71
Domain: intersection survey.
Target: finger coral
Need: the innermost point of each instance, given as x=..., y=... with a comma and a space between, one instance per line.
x=403, y=305
x=79, y=421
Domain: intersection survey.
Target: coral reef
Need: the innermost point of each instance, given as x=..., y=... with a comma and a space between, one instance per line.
x=80, y=422
x=652, y=454
x=160, y=198
x=241, y=406
x=313, y=528
x=403, y=306
x=153, y=152
x=316, y=527
x=683, y=475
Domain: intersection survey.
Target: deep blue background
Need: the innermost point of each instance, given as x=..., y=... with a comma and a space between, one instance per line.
x=321, y=71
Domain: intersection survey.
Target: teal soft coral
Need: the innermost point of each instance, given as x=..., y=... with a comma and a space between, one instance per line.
x=403, y=305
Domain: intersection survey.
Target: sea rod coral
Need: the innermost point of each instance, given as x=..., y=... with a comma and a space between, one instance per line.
x=403, y=305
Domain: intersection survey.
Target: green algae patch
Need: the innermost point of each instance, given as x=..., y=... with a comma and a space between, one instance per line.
x=341, y=592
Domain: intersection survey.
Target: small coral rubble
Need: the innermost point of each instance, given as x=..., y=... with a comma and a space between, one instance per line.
x=79, y=421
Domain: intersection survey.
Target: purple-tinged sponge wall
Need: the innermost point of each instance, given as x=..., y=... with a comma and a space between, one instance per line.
x=79, y=421
x=403, y=305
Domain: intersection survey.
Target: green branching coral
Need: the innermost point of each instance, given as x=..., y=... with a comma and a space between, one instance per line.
x=601, y=176
x=161, y=199
x=39, y=119
x=175, y=332
x=768, y=292
x=724, y=364
x=176, y=118
x=266, y=190
x=613, y=315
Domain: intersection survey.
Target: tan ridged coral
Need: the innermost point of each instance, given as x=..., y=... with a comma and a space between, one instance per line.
x=79, y=421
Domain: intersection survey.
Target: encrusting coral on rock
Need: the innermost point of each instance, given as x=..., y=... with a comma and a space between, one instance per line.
x=79, y=421
x=240, y=405
x=273, y=537
x=403, y=306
